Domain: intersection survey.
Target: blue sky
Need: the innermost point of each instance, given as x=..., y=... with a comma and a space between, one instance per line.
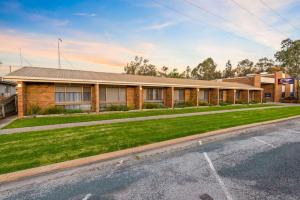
x=104, y=35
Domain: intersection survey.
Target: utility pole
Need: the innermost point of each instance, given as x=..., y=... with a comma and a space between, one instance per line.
x=21, y=58
x=58, y=52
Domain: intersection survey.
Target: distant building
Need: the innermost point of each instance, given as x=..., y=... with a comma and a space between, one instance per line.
x=7, y=89
x=276, y=87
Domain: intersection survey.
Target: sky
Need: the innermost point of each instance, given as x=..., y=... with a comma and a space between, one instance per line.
x=104, y=35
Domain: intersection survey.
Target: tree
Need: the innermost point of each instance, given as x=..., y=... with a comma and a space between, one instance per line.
x=175, y=74
x=187, y=72
x=140, y=66
x=265, y=65
x=205, y=70
x=245, y=67
x=164, y=71
x=289, y=57
x=228, y=72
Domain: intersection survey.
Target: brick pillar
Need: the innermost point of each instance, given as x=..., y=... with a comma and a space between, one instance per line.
x=231, y=96
x=194, y=96
x=258, y=96
x=139, y=97
x=169, y=97
x=130, y=97
x=21, y=87
x=277, y=87
x=214, y=96
x=97, y=98
x=245, y=96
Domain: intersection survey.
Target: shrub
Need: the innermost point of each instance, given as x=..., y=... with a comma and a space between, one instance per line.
x=240, y=102
x=203, y=103
x=179, y=105
x=53, y=110
x=254, y=101
x=188, y=104
x=116, y=108
x=224, y=103
x=152, y=105
x=34, y=109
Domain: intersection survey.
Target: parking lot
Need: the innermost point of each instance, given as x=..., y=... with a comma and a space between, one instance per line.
x=262, y=164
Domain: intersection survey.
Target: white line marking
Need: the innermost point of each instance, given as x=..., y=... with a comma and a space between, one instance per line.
x=200, y=142
x=264, y=142
x=228, y=196
x=87, y=197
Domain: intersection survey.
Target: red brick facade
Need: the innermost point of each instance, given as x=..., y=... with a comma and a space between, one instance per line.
x=214, y=96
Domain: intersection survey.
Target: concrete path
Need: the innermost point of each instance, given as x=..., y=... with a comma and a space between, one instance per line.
x=7, y=120
x=262, y=164
x=112, y=121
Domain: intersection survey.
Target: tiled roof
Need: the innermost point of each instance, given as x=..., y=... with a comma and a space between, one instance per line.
x=66, y=75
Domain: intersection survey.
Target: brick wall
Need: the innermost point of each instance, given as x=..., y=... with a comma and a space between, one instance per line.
x=187, y=95
x=258, y=95
x=244, y=96
x=42, y=94
x=130, y=97
x=168, y=97
x=268, y=88
x=214, y=96
x=194, y=96
x=139, y=99
x=231, y=96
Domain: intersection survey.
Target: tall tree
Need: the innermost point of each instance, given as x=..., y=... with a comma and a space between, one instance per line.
x=228, y=72
x=140, y=66
x=187, y=72
x=175, y=74
x=164, y=71
x=265, y=65
x=289, y=57
x=205, y=70
x=245, y=67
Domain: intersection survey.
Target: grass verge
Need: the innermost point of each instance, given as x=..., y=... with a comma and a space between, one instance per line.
x=33, y=149
x=41, y=121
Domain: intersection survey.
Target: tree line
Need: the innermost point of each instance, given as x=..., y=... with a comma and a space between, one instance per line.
x=288, y=58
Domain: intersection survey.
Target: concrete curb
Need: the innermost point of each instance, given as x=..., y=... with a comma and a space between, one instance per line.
x=123, y=120
x=9, y=177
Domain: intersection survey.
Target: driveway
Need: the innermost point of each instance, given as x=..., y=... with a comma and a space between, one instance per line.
x=263, y=164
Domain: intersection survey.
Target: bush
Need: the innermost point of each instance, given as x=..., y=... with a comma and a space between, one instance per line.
x=179, y=105
x=116, y=108
x=203, y=103
x=53, y=110
x=152, y=105
x=34, y=109
x=224, y=103
x=240, y=102
x=254, y=101
x=188, y=104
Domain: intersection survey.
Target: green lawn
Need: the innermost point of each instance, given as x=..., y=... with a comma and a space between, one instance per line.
x=33, y=149
x=40, y=121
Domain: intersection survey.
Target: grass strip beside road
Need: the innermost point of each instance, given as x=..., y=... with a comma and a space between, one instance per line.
x=41, y=121
x=33, y=149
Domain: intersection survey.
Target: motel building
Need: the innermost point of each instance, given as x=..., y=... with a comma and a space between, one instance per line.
x=96, y=91
x=277, y=87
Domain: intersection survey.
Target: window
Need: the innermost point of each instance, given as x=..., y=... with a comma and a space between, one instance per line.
x=60, y=94
x=153, y=94
x=72, y=94
x=113, y=95
x=221, y=95
x=179, y=95
x=203, y=95
x=238, y=95
x=86, y=94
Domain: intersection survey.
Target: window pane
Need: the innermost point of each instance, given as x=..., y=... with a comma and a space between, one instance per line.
x=181, y=95
x=112, y=95
x=73, y=96
x=122, y=95
x=102, y=94
x=59, y=96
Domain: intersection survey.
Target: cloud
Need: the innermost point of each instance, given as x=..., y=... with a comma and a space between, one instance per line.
x=159, y=26
x=84, y=14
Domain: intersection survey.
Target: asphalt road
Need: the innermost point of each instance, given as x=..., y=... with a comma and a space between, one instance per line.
x=262, y=164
